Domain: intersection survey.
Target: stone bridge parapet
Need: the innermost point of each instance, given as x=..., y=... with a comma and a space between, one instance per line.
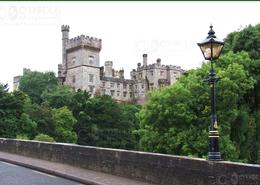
x=155, y=168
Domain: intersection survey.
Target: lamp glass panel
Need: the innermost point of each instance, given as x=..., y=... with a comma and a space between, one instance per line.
x=216, y=50
x=206, y=50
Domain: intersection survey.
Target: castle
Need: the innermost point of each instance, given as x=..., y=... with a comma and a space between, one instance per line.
x=80, y=69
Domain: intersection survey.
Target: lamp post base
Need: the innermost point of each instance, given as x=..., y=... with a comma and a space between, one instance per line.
x=214, y=156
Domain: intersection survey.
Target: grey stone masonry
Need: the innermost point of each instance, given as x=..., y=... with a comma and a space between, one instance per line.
x=154, y=168
x=80, y=69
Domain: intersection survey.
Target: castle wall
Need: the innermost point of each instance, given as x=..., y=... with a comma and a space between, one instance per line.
x=16, y=82
x=174, y=75
x=108, y=68
x=119, y=89
x=82, y=56
x=89, y=82
x=74, y=78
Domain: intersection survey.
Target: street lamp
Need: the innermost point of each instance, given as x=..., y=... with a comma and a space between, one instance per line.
x=211, y=48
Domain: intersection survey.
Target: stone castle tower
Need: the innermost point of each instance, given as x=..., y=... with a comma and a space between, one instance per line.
x=80, y=61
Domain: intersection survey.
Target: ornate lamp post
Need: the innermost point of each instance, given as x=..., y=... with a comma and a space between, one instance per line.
x=211, y=48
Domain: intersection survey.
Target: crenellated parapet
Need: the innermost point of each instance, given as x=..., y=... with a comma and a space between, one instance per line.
x=84, y=41
x=155, y=66
x=65, y=28
x=120, y=80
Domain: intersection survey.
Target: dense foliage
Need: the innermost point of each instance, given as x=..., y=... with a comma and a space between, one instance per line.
x=175, y=120
x=34, y=83
x=49, y=112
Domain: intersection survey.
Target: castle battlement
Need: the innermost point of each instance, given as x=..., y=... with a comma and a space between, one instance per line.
x=156, y=66
x=84, y=41
x=174, y=67
x=65, y=28
x=120, y=80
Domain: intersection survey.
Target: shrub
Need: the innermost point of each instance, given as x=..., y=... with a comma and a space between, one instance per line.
x=44, y=137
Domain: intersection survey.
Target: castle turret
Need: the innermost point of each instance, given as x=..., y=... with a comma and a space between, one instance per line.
x=121, y=73
x=144, y=59
x=108, y=68
x=158, y=61
x=65, y=38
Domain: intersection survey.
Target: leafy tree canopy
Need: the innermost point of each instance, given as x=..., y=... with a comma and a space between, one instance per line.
x=34, y=83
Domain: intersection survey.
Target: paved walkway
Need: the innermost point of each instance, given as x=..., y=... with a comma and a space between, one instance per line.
x=81, y=175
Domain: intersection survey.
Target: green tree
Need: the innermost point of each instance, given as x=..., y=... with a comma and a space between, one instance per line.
x=248, y=39
x=58, y=97
x=129, y=115
x=102, y=122
x=42, y=115
x=79, y=102
x=64, y=122
x=28, y=127
x=34, y=83
x=13, y=121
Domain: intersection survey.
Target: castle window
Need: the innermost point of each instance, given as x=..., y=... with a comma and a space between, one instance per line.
x=124, y=94
x=130, y=86
x=104, y=84
x=136, y=86
x=142, y=86
x=73, y=60
x=151, y=72
x=112, y=92
x=91, y=88
x=124, y=85
x=140, y=75
x=118, y=85
x=118, y=93
x=112, y=84
x=134, y=77
x=161, y=73
x=91, y=59
x=151, y=85
x=131, y=94
x=91, y=78
x=73, y=79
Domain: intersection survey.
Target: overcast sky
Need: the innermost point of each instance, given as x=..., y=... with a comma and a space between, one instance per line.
x=30, y=33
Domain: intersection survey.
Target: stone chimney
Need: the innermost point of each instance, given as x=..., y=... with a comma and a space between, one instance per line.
x=158, y=61
x=108, y=68
x=144, y=59
x=121, y=73
x=102, y=72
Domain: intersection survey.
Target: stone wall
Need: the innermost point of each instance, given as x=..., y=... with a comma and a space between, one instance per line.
x=150, y=167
